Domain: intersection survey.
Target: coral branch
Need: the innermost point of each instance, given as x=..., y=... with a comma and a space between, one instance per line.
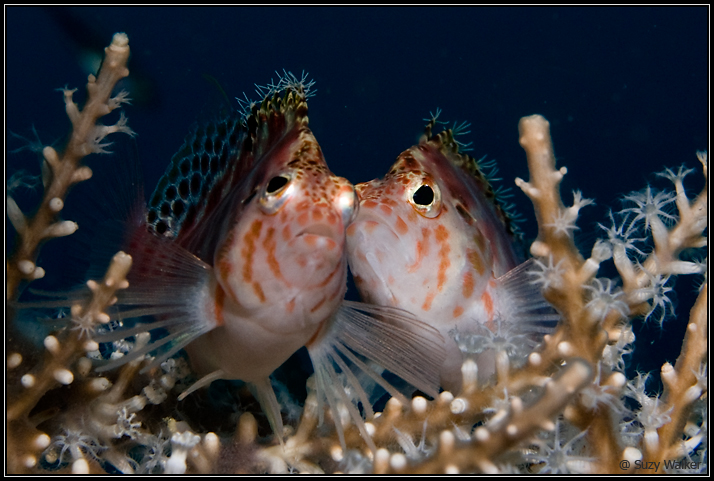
x=55, y=370
x=684, y=384
x=559, y=409
x=61, y=172
x=502, y=433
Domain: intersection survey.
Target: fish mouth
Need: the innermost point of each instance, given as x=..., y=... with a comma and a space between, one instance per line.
x=318, y=246
x=364, y=227
x=371, y=233
x=319, y=230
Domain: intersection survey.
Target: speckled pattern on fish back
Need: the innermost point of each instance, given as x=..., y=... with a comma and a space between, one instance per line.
x=216, y=157
x=190, y=185
x=446, y=143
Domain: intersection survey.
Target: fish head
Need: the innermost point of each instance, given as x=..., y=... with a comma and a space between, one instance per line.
x=428, y=238
x=281, y=258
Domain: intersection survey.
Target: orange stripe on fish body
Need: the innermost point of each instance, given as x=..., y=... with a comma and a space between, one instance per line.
x=270, y=246
x=476, y=261
x=287, y=233
x=330, y=277
x=487, y=305
x=218, y=300
x=442, y=237
x=258, y=291
x=422, y=249
x=427, y=302
x=400, y=225
x=318, y=305
x=468, y=288
x=248, y=251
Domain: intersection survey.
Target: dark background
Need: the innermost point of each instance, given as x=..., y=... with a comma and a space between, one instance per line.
x=625, y=89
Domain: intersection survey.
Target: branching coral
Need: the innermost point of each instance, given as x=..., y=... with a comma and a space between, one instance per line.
x=562, y=410
x=60, y=172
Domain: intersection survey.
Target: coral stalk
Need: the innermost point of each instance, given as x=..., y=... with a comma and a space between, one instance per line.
x=62, y=171
x=563, y=411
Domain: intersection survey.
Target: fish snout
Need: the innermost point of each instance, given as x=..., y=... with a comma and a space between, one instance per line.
x=347, y=203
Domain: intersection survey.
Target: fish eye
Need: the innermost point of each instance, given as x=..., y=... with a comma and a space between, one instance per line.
x=277, y=191
x=276, y=183
x=424, y=195
x=426, y=198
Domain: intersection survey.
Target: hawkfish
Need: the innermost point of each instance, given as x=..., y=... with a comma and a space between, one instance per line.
x=431, y=238
x=240, y=257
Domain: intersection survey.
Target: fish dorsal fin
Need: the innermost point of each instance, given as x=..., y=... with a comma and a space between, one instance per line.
x=445, y=142
x=275, y=117
x=217, y=157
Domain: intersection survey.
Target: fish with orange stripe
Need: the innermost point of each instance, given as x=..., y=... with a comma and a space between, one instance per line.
x=241, y=258
x=430, y=238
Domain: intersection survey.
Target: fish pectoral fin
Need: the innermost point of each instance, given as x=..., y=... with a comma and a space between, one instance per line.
x=183, y=330
x=263, y=391
x=203, y=382
x=520, y=301
x=362, y=341
x=167, y=289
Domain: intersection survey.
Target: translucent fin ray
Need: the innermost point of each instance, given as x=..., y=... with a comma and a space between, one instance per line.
x=204, y=381
x=363, y=340
x=394, y=339
x=265, y=394
x=521, y=302
x=176, y=340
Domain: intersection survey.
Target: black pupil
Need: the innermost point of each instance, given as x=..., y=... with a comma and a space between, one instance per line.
x=275, y=184
x=424, y=195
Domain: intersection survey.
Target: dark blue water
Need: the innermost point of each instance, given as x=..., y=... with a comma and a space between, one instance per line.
x=625, y=89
